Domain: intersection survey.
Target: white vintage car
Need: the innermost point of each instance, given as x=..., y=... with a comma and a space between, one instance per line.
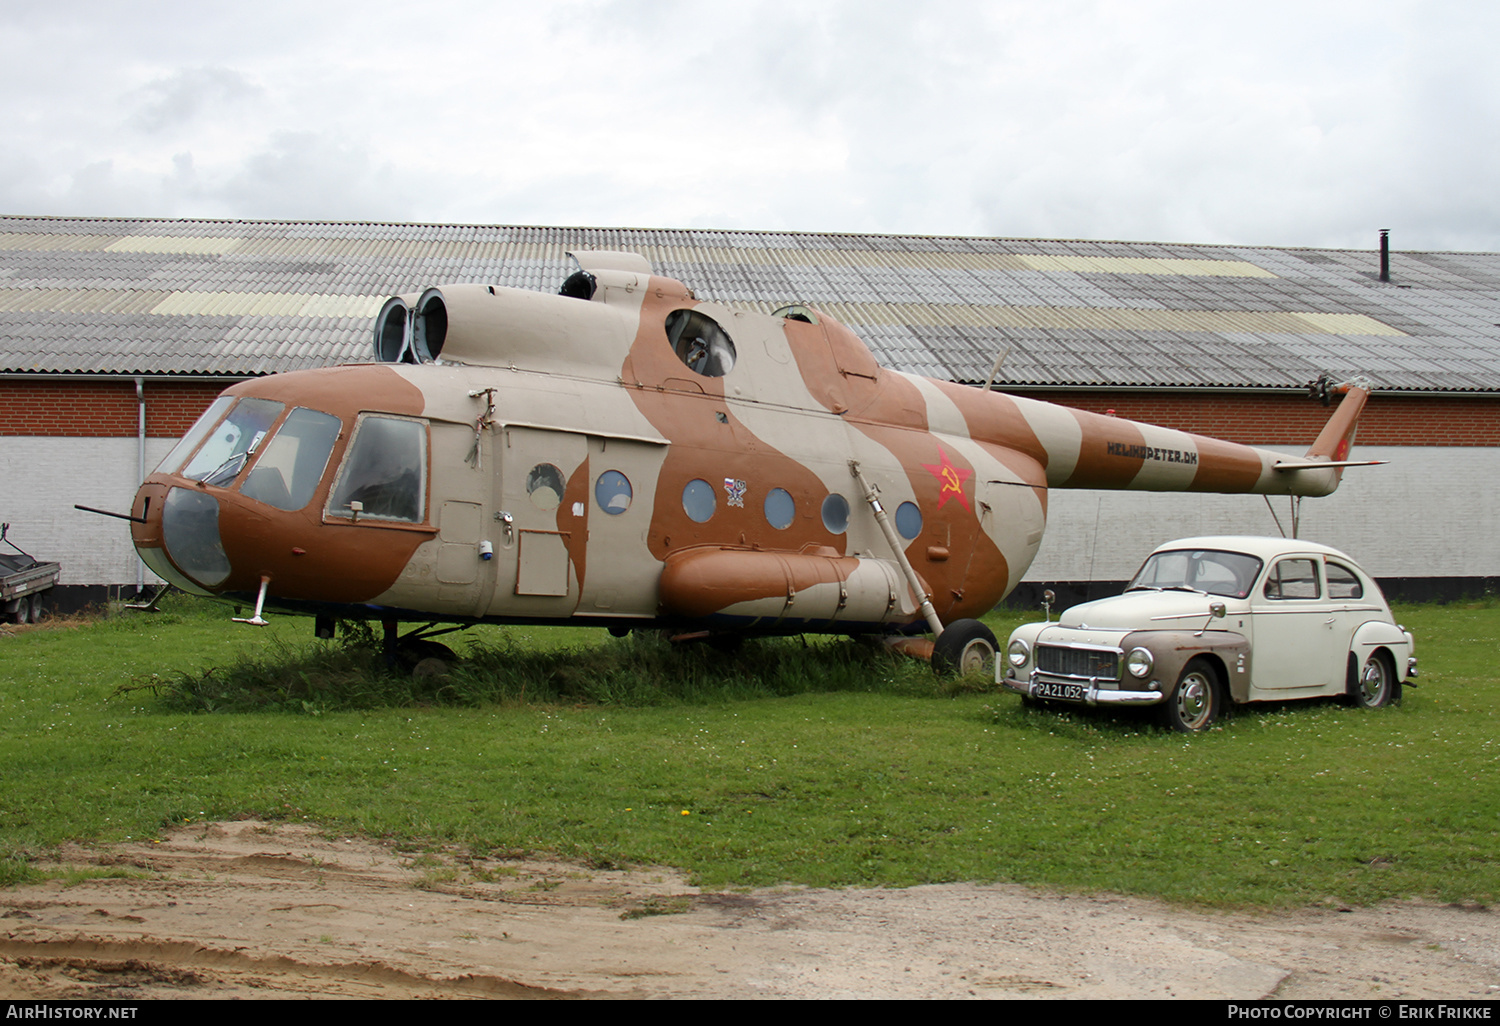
x=1210, y=621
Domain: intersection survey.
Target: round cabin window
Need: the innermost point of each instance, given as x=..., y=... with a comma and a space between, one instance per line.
x=545, y=486
x=699, y=342
x=612, y=492
x=836, y=513
x=781, y=508
x=908, y=520
x=698, y=501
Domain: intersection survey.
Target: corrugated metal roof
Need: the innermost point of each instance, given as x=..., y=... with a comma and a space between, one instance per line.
x=100, y=295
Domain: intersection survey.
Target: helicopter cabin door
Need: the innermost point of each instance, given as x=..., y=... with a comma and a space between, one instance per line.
x=459, y=505
x=541, y=520
x=621, y=574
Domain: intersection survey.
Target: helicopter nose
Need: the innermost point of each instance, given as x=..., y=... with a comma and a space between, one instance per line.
x=145, y=514
x=181, y=526
x=190, y=533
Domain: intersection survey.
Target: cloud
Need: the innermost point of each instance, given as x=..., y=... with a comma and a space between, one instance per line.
x=1154, y=120
x=310, y=176
x=177, y=100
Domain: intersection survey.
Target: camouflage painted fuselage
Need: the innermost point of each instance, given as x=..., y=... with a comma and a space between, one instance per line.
x=585, y=463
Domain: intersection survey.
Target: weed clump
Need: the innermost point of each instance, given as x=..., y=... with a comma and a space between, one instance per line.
x=643, y=669
x=16, y=869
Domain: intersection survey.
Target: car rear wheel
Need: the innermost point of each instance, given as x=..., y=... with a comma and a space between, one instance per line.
x=1197, y=700
x=1376, y=685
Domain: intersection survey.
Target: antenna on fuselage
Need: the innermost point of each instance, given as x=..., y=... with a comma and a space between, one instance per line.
x=995, y=370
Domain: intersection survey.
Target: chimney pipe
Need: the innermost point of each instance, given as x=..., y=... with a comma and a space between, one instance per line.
x=1385, y=254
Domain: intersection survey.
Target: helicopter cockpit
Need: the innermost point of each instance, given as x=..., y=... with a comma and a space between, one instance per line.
x=279, y=455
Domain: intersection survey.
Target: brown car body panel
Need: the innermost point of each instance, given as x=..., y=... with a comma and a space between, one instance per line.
x=1173, y=650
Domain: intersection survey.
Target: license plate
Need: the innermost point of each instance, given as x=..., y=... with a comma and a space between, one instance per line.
x=1064, y=692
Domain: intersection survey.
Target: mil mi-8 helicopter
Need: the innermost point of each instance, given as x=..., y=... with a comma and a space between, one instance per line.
x=623, y=455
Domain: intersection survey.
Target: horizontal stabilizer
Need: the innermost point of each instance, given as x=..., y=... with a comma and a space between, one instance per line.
x=1323, y=465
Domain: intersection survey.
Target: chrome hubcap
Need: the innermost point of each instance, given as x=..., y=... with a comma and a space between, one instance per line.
x=1194, y=701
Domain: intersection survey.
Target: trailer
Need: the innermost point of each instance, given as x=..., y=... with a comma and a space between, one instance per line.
x=23, y=583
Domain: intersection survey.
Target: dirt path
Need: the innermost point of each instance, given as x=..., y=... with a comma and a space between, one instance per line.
x=251, y=909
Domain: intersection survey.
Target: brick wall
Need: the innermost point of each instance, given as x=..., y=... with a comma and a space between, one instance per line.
x=59, y=407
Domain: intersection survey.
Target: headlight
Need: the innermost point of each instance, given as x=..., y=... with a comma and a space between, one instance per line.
x=1139, y=662
x=1019, y=653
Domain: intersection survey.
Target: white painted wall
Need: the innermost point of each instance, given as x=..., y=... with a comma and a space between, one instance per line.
x=41, y=479
x=1430, y=513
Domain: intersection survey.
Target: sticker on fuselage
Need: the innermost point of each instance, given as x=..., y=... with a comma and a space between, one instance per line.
x=735, y=489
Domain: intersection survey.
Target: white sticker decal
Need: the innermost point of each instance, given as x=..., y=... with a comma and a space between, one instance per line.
x=736, y=490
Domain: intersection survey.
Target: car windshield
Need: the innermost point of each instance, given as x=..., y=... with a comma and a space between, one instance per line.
x=1205, y=570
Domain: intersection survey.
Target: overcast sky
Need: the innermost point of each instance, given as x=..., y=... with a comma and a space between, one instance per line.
x=1301, y=124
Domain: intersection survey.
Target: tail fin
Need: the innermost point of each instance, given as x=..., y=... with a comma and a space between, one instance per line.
x=1337, y=436
x=1330, y=452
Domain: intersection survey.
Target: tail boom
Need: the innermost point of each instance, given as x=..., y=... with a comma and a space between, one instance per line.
x=1106, y=452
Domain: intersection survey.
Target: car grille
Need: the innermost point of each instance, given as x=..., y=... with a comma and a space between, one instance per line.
x=1084, y=663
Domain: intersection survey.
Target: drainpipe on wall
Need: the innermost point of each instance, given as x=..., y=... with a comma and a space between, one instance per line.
x=140, y=440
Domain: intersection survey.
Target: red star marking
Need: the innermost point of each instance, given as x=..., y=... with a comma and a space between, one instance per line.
x=950, y=480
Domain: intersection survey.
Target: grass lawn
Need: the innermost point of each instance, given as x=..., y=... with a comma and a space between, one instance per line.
x=824, y=763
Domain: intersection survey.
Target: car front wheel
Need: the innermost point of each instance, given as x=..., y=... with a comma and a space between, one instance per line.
x=1196, y=701
x=1376, y=685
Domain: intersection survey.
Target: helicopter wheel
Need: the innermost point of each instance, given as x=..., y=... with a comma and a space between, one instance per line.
x=424, y=659
x=964, y=647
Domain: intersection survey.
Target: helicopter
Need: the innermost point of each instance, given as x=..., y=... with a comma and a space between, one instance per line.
x=622, y=454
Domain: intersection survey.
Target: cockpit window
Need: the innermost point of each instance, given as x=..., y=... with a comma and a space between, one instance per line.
x=288, y=472
x=384, y=475
x=202, y=426
x=230, y=444
x=700, y=343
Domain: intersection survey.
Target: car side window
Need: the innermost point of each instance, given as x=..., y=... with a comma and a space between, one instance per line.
x=1343, y=583
x=1293, y=579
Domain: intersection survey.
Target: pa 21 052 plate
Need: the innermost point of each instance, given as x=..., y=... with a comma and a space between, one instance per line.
x=1063, y=692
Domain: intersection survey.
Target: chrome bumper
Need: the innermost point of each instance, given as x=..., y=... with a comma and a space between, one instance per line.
x=1093, y=694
